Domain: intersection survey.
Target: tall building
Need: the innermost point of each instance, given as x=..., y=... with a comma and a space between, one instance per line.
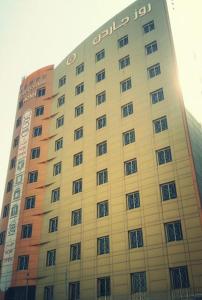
x=104, y=189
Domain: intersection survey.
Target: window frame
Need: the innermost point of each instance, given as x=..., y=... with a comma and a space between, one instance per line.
x=101, y=122
x=32, y=176
x=51, y=258
x=124, y=62
x=100, y=55
x=164, y=156
x=135, y=241
x=99, y=76
x=55, y=195
x=103, y=245
x=75, y=251
x=171, y=190
x=123, y=41
x=76, y=217
x=125, y=85
x=77, y=186
x=130, y=166
x=160, y=124
x=149, y=26
x=134, y=202
x=39, y=111
x=104, y=177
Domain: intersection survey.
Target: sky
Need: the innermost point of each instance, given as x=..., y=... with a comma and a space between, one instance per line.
x=36, y=33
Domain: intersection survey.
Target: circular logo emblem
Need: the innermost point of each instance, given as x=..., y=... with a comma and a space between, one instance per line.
x=71, y=58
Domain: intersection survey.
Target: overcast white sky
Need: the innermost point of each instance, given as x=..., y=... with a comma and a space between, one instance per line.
x=36, y=33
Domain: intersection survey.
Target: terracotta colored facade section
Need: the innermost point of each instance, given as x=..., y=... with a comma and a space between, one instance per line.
x=35, y=95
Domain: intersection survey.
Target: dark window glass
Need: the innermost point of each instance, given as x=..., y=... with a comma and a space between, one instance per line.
x=103, y=286
x=179, y=277
x=133, y=200
x=23, y=262
x=135, y=238
x=138, y=282
x=30, y=202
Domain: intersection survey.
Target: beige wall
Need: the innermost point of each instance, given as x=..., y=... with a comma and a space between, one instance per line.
x=156, y=256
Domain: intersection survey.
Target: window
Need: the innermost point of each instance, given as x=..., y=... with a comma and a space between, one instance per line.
x=157, y=96
x=18, y=122
x=103, y=286
x=75, y=251
x=74, y=290
x=102, y=177
x=135, y=238
x=79, y=88
x=16, y=142
x=101, y=122
x=35, y=152
x=20, y=104
x=179, y=277
x=59, y=121
x=154, y=70
x=101, y=148
x=129, y=137
x=57, y=168
x=78, y=133
x=61, y=100
x=127, y=109
x=163, y=156
x=130, y=167
x=123, y=41
x=173, y=231
x=78, y=159
x=13, y=163
x=76, y=217
x=5, y=211
x=51, y=258
x=133, y=200
x=77, y=186
x=53, y=224
x=100, y=76
x=148, y=27
x=37, y=131
x=48, y=292
x=100, y=55
x=23, y=262
x=103, y=245
x=151, y=47
x=138, y=282
x=32, y=176
x=124, y=62
x=41, y=92
x=100, y=98
x=79, y=110
x=26, y=231
x=168, y=191
x=2, y=237
x=102, y=209
x=160, y=124
x=9, y=186
x=125, y=85
x=79, y=69
x=62, y=81
x=55, y=195
x=58, y=144
x=39, y=111
x=30, y=202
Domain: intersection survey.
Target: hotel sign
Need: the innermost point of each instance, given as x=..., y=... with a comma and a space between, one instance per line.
x=142, y=11
x=10, y=242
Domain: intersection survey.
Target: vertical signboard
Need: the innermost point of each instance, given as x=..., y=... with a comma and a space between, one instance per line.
x=10, y=242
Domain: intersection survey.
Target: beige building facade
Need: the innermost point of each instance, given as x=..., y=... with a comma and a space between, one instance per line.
x=121, y=209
